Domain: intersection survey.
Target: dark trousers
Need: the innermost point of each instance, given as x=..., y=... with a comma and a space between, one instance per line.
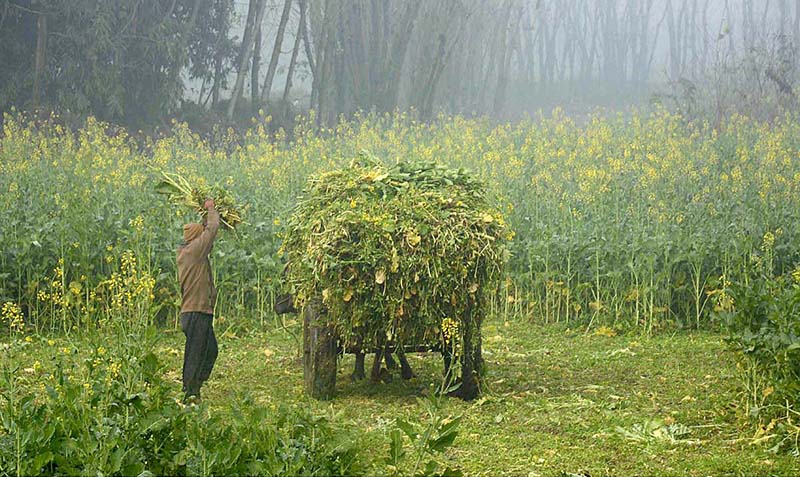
x=200, y=352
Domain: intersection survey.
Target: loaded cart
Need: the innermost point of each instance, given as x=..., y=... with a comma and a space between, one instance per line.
x=393, y=259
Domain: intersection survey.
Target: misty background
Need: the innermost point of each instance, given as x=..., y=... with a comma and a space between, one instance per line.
x=142, y=62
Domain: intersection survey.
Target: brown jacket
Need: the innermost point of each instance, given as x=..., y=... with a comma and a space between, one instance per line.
x=194, y=269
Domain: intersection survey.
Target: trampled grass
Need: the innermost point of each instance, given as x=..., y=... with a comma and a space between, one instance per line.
x=557, y=401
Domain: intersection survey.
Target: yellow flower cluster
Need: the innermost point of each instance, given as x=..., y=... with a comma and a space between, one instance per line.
x=450, y=329
x=11, y=314
x=723, y=301
x=137, y=223
x=129, y=288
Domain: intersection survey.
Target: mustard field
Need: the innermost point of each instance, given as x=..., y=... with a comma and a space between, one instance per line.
x=631, y=222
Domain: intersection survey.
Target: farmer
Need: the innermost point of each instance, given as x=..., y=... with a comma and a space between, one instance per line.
x=197, y=304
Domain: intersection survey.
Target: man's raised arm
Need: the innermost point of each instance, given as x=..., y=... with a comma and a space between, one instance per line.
x=206, y=238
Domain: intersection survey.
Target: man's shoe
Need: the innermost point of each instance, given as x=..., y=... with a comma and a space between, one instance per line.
x=192, y=400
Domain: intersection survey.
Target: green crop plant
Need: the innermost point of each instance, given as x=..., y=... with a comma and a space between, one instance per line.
x=619, y=221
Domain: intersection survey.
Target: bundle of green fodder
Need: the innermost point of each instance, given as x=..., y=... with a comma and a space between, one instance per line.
x=407, y=250
x=180, y=191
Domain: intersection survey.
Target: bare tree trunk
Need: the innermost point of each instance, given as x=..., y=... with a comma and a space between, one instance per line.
x=217, y=78
x=397, y=55
x=427, y=102
x=729, y=17
x=591, y=56
x=219, y=58
x=254, y=73
x=747, y=23
x=254, y=14
x=550, y=34
x=782, y=18
x=642, y=64
x=674, y=44
x=438, y=68
x=797, y=21
x=765, y=17
x=324, y=62
x=655, y=42
x=503, y=57
x=41, y=48
x=276, y=51
x=529, y=44
x=691, y=24
x=338, y=78
x=576, y=36
x=566, y=44
x=377, y=46
x=292, y=62
x=625, y=41
x=354, y=82
x=306, y=42
x=318, y=35
x=683, y=38
x=706, y=38
x=202, y=91
x=539, y=41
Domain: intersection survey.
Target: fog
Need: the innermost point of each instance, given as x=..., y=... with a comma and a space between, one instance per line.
x=501, y=58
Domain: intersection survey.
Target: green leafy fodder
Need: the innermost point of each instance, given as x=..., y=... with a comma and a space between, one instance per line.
x=113, y=412
x=764, y=326
x=400, y=250
x=181, y=192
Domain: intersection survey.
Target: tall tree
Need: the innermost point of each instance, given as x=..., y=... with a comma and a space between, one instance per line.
x=293, y=61
x=120, y=60
x=254, y=70
x=276, y=51
x=41, y=51
x=254, y=16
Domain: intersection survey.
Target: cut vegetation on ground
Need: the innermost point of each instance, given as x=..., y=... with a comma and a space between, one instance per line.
x=556, y=401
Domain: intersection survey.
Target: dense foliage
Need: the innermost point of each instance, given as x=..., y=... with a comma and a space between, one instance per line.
x=402, y=250
x=762, y=312
x=112, y=412
x=625, y=223
x=118, y=60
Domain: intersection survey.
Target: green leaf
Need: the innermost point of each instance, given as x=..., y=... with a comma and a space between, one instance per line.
x=453, y=388
x=116, y=460
x=441, y=443
x=407, y=428
x=40, y=461
x=448, y=472
x=396, y=451
x=166, y=188
x=450, y=426
x=430, y=468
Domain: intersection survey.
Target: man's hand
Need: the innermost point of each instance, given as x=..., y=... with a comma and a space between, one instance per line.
x=209, y=204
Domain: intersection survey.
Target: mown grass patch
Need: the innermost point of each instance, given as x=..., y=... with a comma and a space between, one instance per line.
x=556, y=400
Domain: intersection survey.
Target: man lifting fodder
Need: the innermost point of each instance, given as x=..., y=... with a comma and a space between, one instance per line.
x=198, y=293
